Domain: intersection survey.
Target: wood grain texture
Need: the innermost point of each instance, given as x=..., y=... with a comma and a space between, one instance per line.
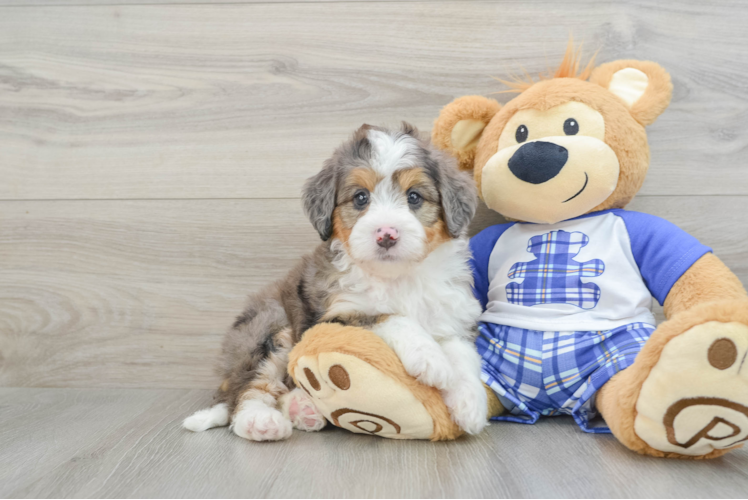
x=221, y=101
x=128, y=443
x=134, y=294
x=97, y=3
x=151, y=156
x=139, y=293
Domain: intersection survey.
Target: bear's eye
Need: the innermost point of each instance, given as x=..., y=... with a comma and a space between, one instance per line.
x=571, y=127
x=521, y=134
x=360, y=199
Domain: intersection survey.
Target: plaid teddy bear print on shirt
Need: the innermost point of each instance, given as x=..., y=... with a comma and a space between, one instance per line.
x=554, y=276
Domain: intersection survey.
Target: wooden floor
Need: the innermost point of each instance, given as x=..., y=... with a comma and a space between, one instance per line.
x=128, y=443
x=151, y=157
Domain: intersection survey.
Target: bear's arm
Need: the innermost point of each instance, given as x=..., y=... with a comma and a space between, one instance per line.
x=679, y=271
x=707, y=280
x=662, y=251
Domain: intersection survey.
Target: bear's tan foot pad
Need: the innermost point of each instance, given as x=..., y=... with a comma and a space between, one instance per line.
x=359, y=384
x=354, y=395
x=694, y=402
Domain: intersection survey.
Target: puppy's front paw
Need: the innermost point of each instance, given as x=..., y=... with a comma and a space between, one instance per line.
x=468, y=405
x=429, y=366
x=258, y=422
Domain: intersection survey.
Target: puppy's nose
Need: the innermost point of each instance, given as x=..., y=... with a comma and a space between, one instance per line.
x=387, y=237
x=538, y=162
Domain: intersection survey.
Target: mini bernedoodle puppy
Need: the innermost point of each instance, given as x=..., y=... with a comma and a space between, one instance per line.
x=392, y=211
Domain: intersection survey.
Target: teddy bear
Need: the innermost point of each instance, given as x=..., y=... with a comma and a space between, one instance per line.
x=567, y=285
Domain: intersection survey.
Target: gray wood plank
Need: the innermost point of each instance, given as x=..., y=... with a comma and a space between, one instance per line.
x=123, y=293
x=222, y=101
x=128, y=443
x=106, y=3
x=139, y=293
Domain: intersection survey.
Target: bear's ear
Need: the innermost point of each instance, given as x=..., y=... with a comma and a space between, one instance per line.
x=460, y=125
x=644, y=86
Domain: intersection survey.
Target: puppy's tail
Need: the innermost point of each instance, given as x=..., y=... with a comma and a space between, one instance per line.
x=202, y=420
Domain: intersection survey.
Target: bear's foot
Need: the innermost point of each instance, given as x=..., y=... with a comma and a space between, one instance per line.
x=695, y=399
x=686, y=395
x=357, y=382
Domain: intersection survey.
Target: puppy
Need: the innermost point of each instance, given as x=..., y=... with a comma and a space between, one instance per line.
x=392, y=212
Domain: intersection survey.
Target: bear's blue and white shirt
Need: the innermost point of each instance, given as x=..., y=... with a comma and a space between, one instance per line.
x=568, y=305
x=596, y=272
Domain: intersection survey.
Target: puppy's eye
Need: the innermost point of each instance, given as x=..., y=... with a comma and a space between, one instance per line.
x=571, y=127
x=521, y=134
x=415, y=199
x=360, y=199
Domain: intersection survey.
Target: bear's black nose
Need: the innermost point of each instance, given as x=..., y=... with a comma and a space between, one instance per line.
x=537, y=162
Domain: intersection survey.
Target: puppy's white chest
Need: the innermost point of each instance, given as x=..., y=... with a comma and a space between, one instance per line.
x=436, y=294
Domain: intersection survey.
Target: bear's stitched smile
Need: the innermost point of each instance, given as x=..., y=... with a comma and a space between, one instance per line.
x=586, y=179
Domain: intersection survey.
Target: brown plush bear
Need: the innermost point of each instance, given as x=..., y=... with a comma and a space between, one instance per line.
x=566, y=289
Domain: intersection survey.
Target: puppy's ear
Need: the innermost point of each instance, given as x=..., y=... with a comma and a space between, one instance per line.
x=409, y=129
x=318, y=197
x=644, y=87
x=459, y=196
x=460, y=125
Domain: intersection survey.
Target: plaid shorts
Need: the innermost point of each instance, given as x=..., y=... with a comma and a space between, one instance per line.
x=538, y=373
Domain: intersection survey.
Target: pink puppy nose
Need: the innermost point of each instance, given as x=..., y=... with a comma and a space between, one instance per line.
x=387, y=237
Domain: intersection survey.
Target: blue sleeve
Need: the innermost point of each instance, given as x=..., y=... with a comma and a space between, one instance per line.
x=662, y=250
x=481, y=246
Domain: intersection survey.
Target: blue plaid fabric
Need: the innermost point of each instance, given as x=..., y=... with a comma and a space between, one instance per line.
x=538, y=373
x=554, y=276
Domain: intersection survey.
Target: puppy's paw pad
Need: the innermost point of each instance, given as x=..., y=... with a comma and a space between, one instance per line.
x=258, y=422
x=302, y=413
